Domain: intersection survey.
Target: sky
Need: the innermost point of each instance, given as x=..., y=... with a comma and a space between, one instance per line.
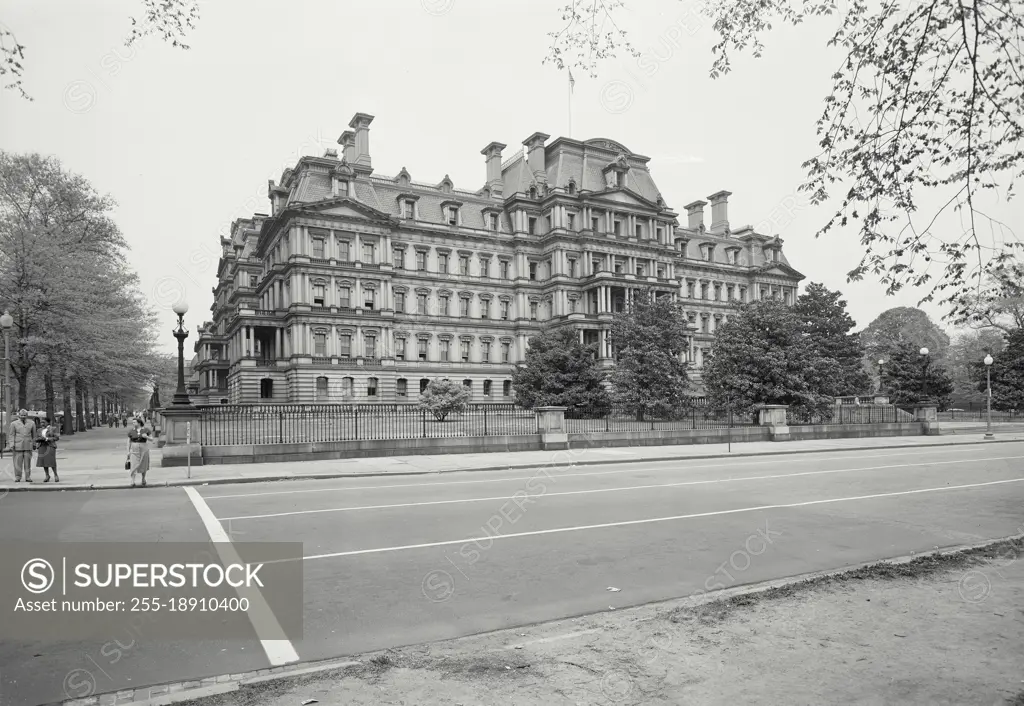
x=185, y=140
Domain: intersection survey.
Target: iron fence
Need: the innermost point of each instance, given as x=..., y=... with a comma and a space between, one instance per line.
x=849, y=414
x=975, y=415
x=697, y=415
x=313, y=423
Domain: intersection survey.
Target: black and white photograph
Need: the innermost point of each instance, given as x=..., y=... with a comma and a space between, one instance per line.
x=548, y=353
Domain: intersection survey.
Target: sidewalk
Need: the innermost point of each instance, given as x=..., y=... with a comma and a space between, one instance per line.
x=94, y=460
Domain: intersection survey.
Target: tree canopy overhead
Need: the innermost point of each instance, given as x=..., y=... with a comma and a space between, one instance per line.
x=927, y=103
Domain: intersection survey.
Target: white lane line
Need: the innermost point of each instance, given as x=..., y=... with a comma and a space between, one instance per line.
x=279, y=652
x=625, y=523
x=805, y=458
x=524, y=495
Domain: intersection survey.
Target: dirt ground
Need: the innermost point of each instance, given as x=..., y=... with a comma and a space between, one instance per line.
x=935, y=631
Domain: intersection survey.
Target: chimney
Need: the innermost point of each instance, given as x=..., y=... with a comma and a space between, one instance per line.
x=535, y=155
x=719, y=211
x=493, y=154
x=695, y=214
x=361, y=124
x=330, y=153
x=348, y=146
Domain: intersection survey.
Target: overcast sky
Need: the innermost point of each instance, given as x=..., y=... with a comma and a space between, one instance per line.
x=186, y=140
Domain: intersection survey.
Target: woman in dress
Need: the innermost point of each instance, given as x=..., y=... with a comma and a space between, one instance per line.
x=47, y=444
x=138, y=449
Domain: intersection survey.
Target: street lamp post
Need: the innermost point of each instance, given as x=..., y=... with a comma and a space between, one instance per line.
x=988, y=385
x=924, y=377
x=6, y=322
x=181, y=398
x=881, y=362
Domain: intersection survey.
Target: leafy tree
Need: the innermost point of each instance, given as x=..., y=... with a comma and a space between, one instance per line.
x=561, y=371
x=443, y=397
x=909, y=377
x=926, y=102
x=760, y=356
x=649, y=338
x=999, y=304
x=1007, y=373
x=169, y=19
x=835, y=366
x=902, y=325
x=964, y=353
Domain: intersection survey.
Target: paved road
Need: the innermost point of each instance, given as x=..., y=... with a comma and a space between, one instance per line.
x=396, y=561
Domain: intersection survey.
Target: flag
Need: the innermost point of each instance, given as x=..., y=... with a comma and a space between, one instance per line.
x=572, y=81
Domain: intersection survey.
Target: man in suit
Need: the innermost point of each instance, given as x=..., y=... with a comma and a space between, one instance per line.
x=22, y=435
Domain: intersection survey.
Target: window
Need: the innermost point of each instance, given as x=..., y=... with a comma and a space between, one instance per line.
x=321, y=388
x=453, y=216
x=464, y=351
x=595, y=265
x=492, y=222
x=442, y=263
x=730, y=292
x=423, y=385
x=368, y=253
x=661, y=273
x=533, y=270
x=485, y=351
x=641, y=270
x=320, y=344
x=718, y=292
x=421, y=303
x=703, y=324
x=595, y=224
x=487, y=388
x=371, y=387
x=445, y=347
x=689, y=290
x=408, y=209
x=369, y=298
x=344, y=297
x=463, y=264
x=345, y=343
x=421, y=350
x=639, y=231
x=443, y=305
x=572, y=306
x=620, y=179
x=347, y=386
x=371, y=346
x=532, y=225
x=401, y=388
x=485, y=308
x=485, y=267
x=618, y=266
x=318, y=294
x=464, y=307
x=253, y=281
x=343, y=247
x=318, y=247
x=506, y=352
x=421, y=261
x=572, y=188
x=533, y=311
x=504, y=310
x=661, y=234
x=398, y=258
x=617, y=227
x=503, y=269
x=266, y=389
x=571, y=221
x=708, y=250
x=400, y=348
x=468, y=384
x=572, y=267
x=400, y=302
x=506, y=389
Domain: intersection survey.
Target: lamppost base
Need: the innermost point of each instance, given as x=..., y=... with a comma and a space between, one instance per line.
x=989, y=436
x=181, y=402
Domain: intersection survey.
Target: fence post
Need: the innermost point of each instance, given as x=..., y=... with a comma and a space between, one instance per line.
x=485, y=420
x=693, y=415
x=423, y=412
x=608, y=420
x=280, y=427
x=357, y=423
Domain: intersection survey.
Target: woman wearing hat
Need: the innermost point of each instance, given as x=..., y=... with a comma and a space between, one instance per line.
x=138, y=449
x=47, y=444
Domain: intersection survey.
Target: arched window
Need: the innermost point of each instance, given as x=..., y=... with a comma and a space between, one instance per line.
x=533, y=192
x=423, y=385
x=371, y=387
x=322, y=392
x=487, y=388
x=572, y=187
x=402, y=387
x=347, y=385
x=506, y=388
x=468, y=384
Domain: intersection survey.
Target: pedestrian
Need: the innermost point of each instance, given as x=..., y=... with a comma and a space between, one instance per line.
x=138, y=450
x=47, y=445
x=23, y=436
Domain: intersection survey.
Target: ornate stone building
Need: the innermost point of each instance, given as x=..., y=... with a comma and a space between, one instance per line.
x=363, y=287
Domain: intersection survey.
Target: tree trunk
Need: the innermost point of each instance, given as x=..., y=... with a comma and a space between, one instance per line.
x=95, y=410
x=21, y=375
x=79, y=406
x=85, y=407
x=51, y=406
x=65, y=392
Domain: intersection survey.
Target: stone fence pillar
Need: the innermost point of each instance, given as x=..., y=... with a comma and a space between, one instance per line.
x=773, y=416
x=176, y=448
x=927, y=412
x=551, y=427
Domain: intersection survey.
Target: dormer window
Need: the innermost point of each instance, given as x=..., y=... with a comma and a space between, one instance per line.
x=452, y=215
x=572, y=188
x=409, y=210
x=532, y=226
x=620, y=179
x=342, y=188
x=492, y=222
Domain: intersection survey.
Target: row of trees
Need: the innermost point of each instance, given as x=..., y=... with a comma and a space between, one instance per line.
x=83, y=334
x=804, y=356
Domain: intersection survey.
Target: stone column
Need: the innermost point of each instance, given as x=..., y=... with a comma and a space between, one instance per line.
x=773, y=416
x=551, y=426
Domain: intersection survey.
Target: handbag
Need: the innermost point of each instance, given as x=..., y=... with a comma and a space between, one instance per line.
x=128, y=457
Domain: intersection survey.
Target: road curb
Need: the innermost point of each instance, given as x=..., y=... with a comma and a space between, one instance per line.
x=484, y=469
x=178, y=692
